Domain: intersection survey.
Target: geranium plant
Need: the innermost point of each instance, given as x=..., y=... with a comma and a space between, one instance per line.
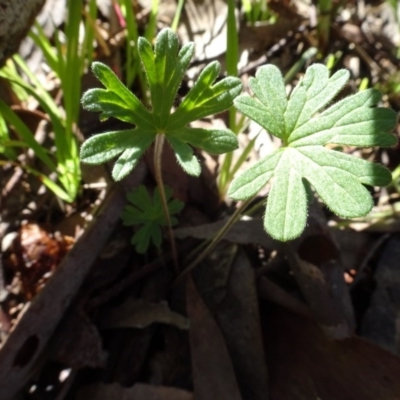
x=303, y=161
x=165, y=67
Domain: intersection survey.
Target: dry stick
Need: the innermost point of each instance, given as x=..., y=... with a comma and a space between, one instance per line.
x=158, y=174
x=216, y=239
x=25, y=344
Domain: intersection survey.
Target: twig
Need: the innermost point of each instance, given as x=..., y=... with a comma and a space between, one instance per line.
x=25, y=344
x=217, y=238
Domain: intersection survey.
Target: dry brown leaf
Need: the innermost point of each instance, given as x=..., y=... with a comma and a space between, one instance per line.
x=34, y=255
x=136, y=313
x=213, y=373
x=30, y=337
x=272, y=292
x=171, y=363
x=317, y=266
x=381, y=323
x=304, y=364
x=320, y=276
x=137, y=392
x=77, y=343
x=234, y=304
x=242, y=232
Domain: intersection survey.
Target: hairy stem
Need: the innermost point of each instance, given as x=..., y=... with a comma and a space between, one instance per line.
x=158, y=174
x=216, y=239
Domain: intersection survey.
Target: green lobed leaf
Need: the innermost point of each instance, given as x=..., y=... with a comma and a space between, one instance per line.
x=156, y=236
x=175, y=206
x=313, y=93
x=260, y=114
x=367, y=172
x=165, y=67
x=275, y=105
x=133, y=216
x=286, y=212
x=147, y=212
x=205, y=98
x=251, y=181
x=140, y=198
x=215, y=141
x=131, y=144
x=185, y=157
x=303, y=160
x=129, y=158
x=353, y=121
x=104, y=147
x=116, y=100
x=143, y=237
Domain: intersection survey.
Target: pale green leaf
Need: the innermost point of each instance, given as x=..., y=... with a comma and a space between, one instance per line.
x=253, y=109
x=272, y=83
x=353, y=121
x=313, y=93
x=255, y=177
x=303, y=160
x=367, y=172
x=286, y=212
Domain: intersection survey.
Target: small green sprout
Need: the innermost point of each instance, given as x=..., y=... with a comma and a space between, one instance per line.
x=147, y=212
x=338, y=178
x=165, y=68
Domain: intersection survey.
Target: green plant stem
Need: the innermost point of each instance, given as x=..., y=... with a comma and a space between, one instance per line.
x=133, y=64
x=177, y=15
x=151, y=26
x=324, y=23
x=158, y=147
x=232, y=58
x=216, y=239
x=298, y=65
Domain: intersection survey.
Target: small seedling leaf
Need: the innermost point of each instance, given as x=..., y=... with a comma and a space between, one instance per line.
x=146, y=212
x=165, y=67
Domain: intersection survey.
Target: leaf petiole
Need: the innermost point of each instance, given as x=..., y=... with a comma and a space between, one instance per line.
x=158, y=147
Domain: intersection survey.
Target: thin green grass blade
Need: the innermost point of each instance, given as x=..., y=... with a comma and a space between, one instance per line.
x=132, y=57
x=40, y=39
x=56, y=189
x=150, y=31
x=5, y=143
x=90, y=29
x=177, y=15
x=24, y=132
x=244, y=154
